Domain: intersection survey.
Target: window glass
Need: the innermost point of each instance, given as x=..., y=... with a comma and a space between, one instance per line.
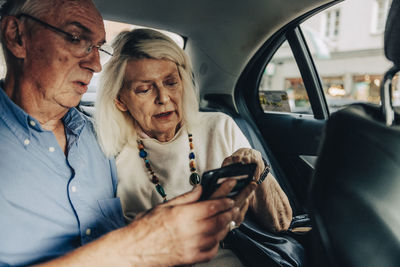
x=379, y=14
x=281, y=86
x=331, y=23
x=350, y=65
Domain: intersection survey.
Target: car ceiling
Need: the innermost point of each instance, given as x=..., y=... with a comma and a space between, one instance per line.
x=222, y=35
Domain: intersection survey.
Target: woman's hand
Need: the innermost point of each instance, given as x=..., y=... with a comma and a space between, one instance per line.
x=243, y=199
x=269, y=203
x=247, y=155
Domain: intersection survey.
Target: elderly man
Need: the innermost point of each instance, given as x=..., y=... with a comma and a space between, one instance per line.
x=57, y=189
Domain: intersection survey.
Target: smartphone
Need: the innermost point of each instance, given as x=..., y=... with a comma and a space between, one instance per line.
x=212, y=179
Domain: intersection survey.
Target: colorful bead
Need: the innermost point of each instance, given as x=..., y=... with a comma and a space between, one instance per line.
x=142, y=153
x=194, y=178
x=192, y=164
x=154, y=179
x=160, y=190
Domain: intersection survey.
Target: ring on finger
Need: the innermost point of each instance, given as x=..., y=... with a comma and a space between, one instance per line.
x=232, y=225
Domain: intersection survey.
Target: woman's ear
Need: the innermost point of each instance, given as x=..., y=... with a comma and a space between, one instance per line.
x=120, y=104
x=12, y=38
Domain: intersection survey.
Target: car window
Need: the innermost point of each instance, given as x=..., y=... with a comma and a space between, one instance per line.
x=281, y=87
x=346, y=44
x=348, y=51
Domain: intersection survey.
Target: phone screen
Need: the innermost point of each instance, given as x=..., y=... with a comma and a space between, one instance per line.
x=212, y=179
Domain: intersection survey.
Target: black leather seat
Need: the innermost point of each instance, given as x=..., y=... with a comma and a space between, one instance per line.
x=355, y=195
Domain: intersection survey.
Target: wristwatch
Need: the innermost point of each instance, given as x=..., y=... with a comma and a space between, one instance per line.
x=264, y=174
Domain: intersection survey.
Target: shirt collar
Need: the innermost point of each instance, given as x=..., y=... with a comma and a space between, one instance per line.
x=14, y=116
x=74, y=121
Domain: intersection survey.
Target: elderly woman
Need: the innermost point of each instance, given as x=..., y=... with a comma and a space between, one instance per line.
x=147, y=117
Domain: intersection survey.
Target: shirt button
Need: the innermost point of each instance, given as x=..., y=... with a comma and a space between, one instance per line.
x=88, y=231
x=26, y=142
x=52, y=149
x=32, y=123
x=73, y=188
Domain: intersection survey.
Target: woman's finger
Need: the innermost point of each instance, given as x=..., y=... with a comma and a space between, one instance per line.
x=243, y=209
x=245, y=193
x=227, y=161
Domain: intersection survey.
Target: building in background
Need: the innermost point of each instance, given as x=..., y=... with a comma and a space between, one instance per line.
x=346, y=41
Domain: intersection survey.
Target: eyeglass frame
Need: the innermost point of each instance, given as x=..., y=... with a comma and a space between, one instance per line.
x=69, y=35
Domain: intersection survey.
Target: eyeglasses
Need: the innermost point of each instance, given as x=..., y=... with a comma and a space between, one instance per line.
x=79, y=47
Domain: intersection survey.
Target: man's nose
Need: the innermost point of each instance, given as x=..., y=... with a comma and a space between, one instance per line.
x=92, y=61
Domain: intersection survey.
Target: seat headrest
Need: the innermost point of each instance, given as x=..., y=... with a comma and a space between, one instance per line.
x=392, y=34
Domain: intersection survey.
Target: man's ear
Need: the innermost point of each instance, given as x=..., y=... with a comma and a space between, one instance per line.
x=120, y=104
x=12, y=38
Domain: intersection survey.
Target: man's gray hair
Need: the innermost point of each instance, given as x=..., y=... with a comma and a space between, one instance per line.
x=15, y=7
x=35, y=8
x=115, y=128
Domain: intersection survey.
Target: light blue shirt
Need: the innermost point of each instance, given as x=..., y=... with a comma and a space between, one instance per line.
x=50, y=203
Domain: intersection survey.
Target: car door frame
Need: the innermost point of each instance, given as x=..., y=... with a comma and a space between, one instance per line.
x=292, y=138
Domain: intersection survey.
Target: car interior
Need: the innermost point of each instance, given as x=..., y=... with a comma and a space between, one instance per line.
x=228, y=51
x=234, y=46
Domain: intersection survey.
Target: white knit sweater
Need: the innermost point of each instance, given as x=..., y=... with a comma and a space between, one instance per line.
x=215, y=137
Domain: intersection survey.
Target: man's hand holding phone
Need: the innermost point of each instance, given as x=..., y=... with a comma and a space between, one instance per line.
x=242, y=199
x=235, y=181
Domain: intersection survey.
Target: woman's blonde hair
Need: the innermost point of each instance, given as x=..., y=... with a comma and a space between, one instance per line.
x=114, y=127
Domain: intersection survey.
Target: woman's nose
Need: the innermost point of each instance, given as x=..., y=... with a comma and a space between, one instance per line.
x=163, y=96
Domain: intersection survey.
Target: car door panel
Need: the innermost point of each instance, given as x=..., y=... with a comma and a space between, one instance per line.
x=293, y=138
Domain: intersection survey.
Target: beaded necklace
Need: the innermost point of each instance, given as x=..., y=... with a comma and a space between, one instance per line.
x=194, y=178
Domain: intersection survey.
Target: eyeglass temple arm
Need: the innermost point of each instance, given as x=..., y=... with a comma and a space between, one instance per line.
x=45, y=24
